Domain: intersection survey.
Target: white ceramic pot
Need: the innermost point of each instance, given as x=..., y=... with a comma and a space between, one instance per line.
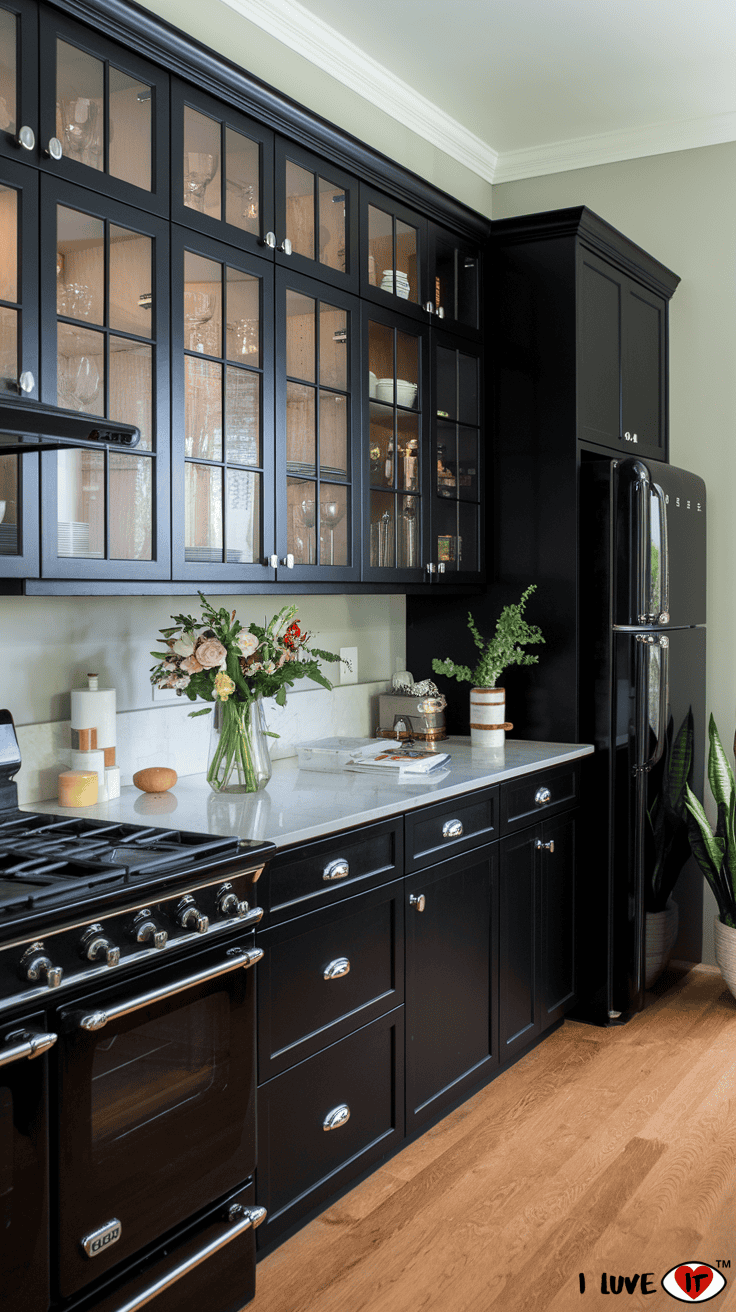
x=660, y=932
x=488, y=722
x=725, y=944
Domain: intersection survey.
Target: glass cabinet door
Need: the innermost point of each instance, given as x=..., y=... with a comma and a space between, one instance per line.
x=457, y=475
x=221, y=171
x=393, y=255
x=222, y=342
x=104, y=119
x=19, y=556
x=104, y=293
x=19, y=80
x=317, y=402
x=396, y=456
x=454, y=270
x=316, y=217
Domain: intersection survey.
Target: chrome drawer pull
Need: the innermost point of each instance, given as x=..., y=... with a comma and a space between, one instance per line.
x=542, y=796
x=418, y=900
x=337, y=1117
x=337, y=869
x=545, y=847
x=337, y=968
x=452, y=829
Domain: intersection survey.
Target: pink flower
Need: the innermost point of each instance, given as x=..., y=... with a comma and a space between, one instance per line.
x=210, y=653
x=191, y=665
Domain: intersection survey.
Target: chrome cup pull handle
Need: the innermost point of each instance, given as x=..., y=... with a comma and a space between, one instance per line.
x=337, y=869
x=452, y=829
x=337, y=968
x=337, y=1117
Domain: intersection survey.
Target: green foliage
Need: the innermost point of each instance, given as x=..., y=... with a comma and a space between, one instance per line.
x=499, y=652
x=715, y=852
x=668, y=815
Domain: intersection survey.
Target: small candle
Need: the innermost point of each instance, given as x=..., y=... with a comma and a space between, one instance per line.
x=78, y=788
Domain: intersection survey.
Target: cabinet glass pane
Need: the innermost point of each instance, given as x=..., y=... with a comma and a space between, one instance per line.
x=446, y=383
x=9, y=544
x=447, y=460
x=468, y=289
x=407, y=368
x=301, y=336
x=242, y=417
x=202, y=408
x=468, y=388
x=333, y=525
x=333, y=346
x=300, y=209
x=243, y=317
x=80, y=266
x=130, y=277
x=382, y=445
x=380, y=247
x=202, y=163
x=243, y=516
x=407, y=452
x=407, y=282
x=8, y=71
x=333, y=435
x=202, y=304
x=131, y=507
x=8, y=345
x=8, y=242
x=408, y=533
x=131, y=387
x=242, y=181
x=332, y=217
x=467, y=464
x=80, y=106
x=382, y=539
x=130, y=104
x=80, y=377
x=301, y=518
x=81, y=503
x=380, y=361
x=457, y=536
x=202, y=513
x=301, y=438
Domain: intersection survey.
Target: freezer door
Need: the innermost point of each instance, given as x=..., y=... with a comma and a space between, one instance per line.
x=659, y=545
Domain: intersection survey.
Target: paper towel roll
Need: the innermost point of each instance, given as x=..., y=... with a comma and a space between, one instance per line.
x=86, y=761
x=94, y=708
x=112, y=782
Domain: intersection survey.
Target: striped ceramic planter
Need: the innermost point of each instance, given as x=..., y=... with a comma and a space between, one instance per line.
x=725, y=945
x=488, y=717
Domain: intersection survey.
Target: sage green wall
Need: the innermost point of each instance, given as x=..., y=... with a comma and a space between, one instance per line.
x=681, y=208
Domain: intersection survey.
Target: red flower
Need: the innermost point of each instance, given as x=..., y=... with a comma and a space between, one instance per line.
x=292, y=636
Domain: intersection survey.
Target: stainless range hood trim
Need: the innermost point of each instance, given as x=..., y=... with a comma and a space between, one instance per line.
x=40, y=427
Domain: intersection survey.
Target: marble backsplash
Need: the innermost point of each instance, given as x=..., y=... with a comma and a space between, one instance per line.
x=164, y=735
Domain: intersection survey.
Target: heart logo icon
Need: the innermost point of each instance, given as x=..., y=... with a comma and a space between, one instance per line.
x=693, y=1280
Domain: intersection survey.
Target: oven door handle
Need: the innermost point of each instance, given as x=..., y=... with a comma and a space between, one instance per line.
x=238, y=1218
x=26, y=1043
x=238, y=958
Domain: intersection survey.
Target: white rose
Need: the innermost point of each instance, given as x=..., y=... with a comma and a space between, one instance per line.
x=247, y=643
x=184, y=646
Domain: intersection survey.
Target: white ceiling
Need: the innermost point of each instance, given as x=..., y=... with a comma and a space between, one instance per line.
x=515, y=88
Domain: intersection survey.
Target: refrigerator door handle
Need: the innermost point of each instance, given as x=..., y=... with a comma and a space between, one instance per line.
x=663, y=643
x=664, y=559
x=642, y=494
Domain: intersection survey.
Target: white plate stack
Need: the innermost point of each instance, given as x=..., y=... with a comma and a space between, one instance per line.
x=398, y=286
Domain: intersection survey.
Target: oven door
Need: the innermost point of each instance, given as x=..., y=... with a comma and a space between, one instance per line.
x=156, y=1106
x=24, y=1228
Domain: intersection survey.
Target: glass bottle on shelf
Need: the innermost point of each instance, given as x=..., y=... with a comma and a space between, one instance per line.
x=394, y=446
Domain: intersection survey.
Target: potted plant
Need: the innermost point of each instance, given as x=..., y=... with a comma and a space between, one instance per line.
x=715, y=852
x=668, y=846
x=505, y=648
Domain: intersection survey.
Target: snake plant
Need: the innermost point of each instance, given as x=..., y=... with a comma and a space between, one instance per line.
x=715, y=852
x=668, y=815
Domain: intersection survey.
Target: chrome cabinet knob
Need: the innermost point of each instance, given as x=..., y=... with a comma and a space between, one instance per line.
x=285, y=247
x=545, y=847
x=36, y=967
x=270, y=240
x=440, y=312
x=229, y=904
x=452, y=829
x=54, y=150
x=95, y=946
x=430, y=567
x=337, y=1117
x=288, y=561
x=429, y=307
x=418, y=901
x=26, y=382
x=337, y=968
x=337, y=869
x=25, y=138
x=147, y=933
x=273, y=561
x=542, y=796
x=189, y=916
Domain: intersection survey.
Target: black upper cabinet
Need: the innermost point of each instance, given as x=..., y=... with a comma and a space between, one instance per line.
x=19, y=80
x=458, y=461
x=394, y=256
x=455, y=281
x=317, y=211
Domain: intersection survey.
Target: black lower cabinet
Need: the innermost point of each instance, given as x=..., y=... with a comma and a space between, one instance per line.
x=327, y=1119
x=451, y=920
x=536, y=930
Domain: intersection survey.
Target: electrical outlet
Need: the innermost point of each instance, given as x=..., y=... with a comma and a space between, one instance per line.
x=349, y=675
x=163, y=696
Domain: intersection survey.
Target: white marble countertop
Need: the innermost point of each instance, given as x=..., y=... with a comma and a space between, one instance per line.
x=298, y=805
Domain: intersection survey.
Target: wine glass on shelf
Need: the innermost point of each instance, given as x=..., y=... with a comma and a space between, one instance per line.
x=332, y=513
x=307, y=520
x=78, y=125
x=199, y=308
x=84, y=382
x=201, y=168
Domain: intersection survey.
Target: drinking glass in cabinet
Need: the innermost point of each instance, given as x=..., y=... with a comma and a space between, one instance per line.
x=242, y=171
x=213, y=151
x=201, y=162
x=382, y=534
x=92, y=119
x=333, y=511
x=408, y=533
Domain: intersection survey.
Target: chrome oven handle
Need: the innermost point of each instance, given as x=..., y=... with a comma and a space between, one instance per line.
x=238, y=1219
x=238, y=957
x=26, y=1043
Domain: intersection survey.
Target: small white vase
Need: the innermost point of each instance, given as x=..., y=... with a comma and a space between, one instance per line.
x=660, y=932
x=488, y=717
x=725, y=945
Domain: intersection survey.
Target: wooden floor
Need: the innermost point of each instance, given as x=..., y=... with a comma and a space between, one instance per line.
x=601, y=1151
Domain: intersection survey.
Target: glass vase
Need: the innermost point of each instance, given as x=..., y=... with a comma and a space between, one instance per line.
x=238, y=759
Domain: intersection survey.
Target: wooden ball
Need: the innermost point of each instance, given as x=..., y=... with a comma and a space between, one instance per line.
x=156, y=779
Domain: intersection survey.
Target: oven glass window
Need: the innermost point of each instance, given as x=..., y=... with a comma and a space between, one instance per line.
x=6, y=1155
x=142, y=1075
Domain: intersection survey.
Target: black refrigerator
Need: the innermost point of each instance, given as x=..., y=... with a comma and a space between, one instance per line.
x=642, y=703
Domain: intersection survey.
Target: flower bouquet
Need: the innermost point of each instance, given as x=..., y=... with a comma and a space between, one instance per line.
x=220, y=661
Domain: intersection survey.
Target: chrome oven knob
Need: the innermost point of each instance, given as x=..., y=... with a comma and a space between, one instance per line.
x=229, y=904
x=97, y=947
x=36, y=967
x=147, y=933
x=190, y=917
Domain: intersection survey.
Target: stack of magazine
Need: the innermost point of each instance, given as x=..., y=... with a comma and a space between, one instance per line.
x=408, y=762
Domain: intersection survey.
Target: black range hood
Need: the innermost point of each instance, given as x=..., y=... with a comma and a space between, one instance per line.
x=30, y=426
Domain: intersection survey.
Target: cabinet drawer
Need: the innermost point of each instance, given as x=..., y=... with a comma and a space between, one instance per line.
x=300, y=1163
x=436, y=832
x=535, y=796
x=308, y=876
x=325, y=974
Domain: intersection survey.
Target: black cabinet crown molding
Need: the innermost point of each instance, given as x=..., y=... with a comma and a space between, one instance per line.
x=599, y=236
x=181, y=54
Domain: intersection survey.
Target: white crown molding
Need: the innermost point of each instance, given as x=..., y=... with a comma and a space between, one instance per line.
x=323, y=46
x=610, y=147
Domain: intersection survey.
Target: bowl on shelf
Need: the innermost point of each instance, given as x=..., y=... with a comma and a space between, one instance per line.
x=385, y=389
x=406, y=393
x=372, y=380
